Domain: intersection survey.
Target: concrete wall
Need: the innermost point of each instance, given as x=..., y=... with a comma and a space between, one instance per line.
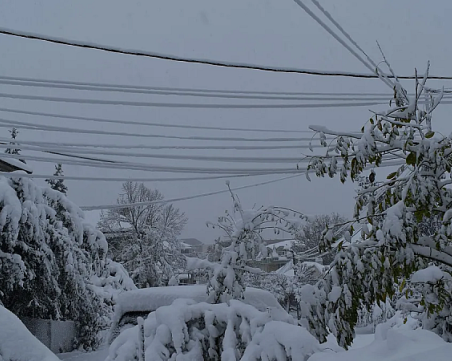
x=58, y=336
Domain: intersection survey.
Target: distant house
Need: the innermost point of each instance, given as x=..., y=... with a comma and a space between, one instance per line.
x=193, y=247
x=278, y=254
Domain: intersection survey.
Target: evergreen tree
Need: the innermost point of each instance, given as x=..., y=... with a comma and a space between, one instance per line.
x=58, y=183
x=14, y=132
x=52, y=264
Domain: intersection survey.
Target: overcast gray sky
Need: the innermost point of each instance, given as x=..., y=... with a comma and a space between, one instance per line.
x=265, y=32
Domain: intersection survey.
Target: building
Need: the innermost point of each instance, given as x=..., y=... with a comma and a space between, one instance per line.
x=278, y=254
x=193, y=247
x=13, y=165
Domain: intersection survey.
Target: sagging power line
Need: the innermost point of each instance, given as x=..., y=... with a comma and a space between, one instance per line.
x=118, y=50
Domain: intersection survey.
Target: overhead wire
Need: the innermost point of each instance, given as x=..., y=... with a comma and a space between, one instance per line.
x=205, y=158
x=71, y=146
x=149, y=167
x=113, y=164
x=338, y=39
x=149, y=124
x=124, y=179
x=202, y=195
x=376, y=68
x=119, y=50
x=306, y=96
x=50, y=128
x=190, y=105
x=173, y=200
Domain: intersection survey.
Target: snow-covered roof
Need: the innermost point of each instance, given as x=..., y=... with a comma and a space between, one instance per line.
x=149, y=299
x=286, y=270
x=12, y=165
x=356, y=237
x=319, y=267
x=283, y=244
x=192, y=242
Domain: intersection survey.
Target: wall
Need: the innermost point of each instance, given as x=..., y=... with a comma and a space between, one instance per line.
x=58, y=336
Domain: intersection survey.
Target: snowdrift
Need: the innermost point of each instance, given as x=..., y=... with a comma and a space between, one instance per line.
x=395, y=344
x=17, y=343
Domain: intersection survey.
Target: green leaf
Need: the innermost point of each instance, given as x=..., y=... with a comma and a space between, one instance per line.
x=411, y=159
x=429, y=134
x=391, y=175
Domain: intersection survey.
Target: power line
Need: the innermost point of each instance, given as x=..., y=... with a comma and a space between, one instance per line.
x=375, y=68
x=144, y=89
x=188, y=105
x=208, y=158
x=155, y=168
x=341, y=41
x=112, y=164
x=306, y=96
x=119, y=206
x=73, y=146
x=51, y=128
x=149, y=124
x=140, y=89
x=123, y=179
x=118, y=50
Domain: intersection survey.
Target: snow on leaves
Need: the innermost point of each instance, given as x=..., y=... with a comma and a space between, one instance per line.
x=393, y=212
x=187, y=330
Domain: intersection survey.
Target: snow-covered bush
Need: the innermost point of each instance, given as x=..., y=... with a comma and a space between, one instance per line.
x=378, y=313
x=51, y=260
x=187, y=330
x=395, y=242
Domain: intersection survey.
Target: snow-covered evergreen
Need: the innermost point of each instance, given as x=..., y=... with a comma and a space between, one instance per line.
x=53, y=264
x=58, y=183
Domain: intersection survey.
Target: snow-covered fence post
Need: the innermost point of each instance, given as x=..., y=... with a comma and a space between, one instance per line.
x=141, y=350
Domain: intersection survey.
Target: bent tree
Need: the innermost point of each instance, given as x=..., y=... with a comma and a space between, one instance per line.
x=397, y=254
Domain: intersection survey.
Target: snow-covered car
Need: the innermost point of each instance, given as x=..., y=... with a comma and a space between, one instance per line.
x=139, y=303
x=17, y=343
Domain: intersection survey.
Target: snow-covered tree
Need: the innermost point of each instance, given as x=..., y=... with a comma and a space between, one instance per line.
x=244, y=232
x=144, y=237
x=51, y=260
x=312, y=231
x=395, y=248
x=58, y=184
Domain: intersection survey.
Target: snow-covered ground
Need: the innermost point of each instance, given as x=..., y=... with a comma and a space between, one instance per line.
x=99, y=355
x=386, y=345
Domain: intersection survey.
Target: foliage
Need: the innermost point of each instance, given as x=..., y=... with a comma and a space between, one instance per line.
x=394, y=244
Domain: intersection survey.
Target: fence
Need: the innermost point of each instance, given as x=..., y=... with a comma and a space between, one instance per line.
x=58, y=336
